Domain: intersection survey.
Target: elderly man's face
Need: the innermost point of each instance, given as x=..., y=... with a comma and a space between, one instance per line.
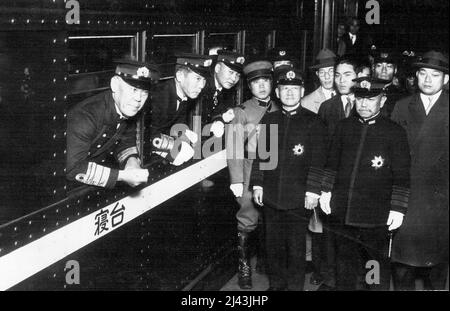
x=385, y=71
x=343, y=77
x=191, y=83
x=289, y=95
x=129, y=99
x=261, y=87
x=326, y=77
x=430, y=81
x=369, y=107
x=225, y=76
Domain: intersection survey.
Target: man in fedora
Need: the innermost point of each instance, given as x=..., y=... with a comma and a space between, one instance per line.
x=422, y=243
x=101, y=130
x=324, y=68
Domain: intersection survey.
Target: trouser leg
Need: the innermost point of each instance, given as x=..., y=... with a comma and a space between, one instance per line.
x=276, y=247
x=296, y=249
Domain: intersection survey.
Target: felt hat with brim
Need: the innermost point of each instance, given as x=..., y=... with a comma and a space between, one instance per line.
x=325, y=58
x=138, y=74
x=200, y=64
x=433, y=60
x=367, y=87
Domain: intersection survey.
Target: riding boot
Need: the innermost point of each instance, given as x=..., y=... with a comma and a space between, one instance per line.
x=245, y=270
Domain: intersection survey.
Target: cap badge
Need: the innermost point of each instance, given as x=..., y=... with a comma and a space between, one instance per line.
x=377, y=162
x=207, y=63
x=384, y=55
x=240, y=60
x=143, y=72
x=282, y=53
x=365, y=85
x=290, y=75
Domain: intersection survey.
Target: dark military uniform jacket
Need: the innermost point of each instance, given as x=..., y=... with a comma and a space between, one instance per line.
x=301, y=144
x=367, y=171
x=240, y=141
x=216, y=102
x=97, y=137
x=422, y=240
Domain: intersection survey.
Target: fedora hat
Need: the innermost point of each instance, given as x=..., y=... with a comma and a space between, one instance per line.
x=433, y=60
x=325, y=58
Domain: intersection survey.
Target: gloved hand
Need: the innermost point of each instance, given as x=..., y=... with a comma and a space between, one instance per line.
x=185, y=154
x=311, y=200
x=133, y=176
x=324, y=201
x=218, y=128
x=192, y=136
x=395, y=220
x=258, y=195
x=238, y=189
x=228, y=116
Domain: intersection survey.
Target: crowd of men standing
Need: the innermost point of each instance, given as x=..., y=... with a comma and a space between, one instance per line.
x=360, y=162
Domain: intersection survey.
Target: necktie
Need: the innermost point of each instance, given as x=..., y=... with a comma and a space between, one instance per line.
x=430, y=100
x=179, y=102
x=348, y=107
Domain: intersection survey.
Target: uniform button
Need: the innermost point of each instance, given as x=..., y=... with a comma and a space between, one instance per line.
x=98, y=146
x=104, y=135
x=103, y=160
x=111, y=153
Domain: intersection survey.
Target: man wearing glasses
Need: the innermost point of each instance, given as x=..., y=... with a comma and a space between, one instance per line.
x=324, y=68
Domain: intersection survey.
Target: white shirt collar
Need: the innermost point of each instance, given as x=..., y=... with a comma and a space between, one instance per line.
x=344, y=99
x=328, y=93
x=218, y=87
x=426, y=101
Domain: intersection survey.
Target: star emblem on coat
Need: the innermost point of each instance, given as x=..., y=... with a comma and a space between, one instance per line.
x=298, y=149
x=377, y=162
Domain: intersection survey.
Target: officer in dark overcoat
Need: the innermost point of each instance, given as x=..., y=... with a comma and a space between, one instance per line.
x=367, y=173
x=287, y=182
x=101, y=130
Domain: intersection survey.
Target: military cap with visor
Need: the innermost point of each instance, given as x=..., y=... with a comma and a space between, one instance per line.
x=232, y=59
x=385, y=55
x=200, y=64
x=290, y=76
x=367, y=87
x=258, y=69
x=138, y=74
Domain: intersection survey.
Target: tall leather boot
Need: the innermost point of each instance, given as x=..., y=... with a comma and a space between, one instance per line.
x=245, y=270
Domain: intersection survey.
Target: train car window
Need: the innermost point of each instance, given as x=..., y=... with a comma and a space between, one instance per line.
x=91, y=62
x=226, y=41
x=31, y=122
x=161, y=50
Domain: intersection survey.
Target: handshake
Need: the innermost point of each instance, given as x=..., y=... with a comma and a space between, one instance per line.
x=176, y=150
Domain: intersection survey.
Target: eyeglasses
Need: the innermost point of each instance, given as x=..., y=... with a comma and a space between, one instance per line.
x=322, y=73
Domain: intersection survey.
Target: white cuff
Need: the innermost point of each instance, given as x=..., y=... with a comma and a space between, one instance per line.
x=257, y=188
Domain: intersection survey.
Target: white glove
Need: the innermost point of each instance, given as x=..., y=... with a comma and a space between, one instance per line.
x=324, y=201
x=185, y=154
x=258, y=195
x=395, y=220
x=228, y=116
x=192, y=136
x=311, y=200
x=217, y=128
x=238, y=189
